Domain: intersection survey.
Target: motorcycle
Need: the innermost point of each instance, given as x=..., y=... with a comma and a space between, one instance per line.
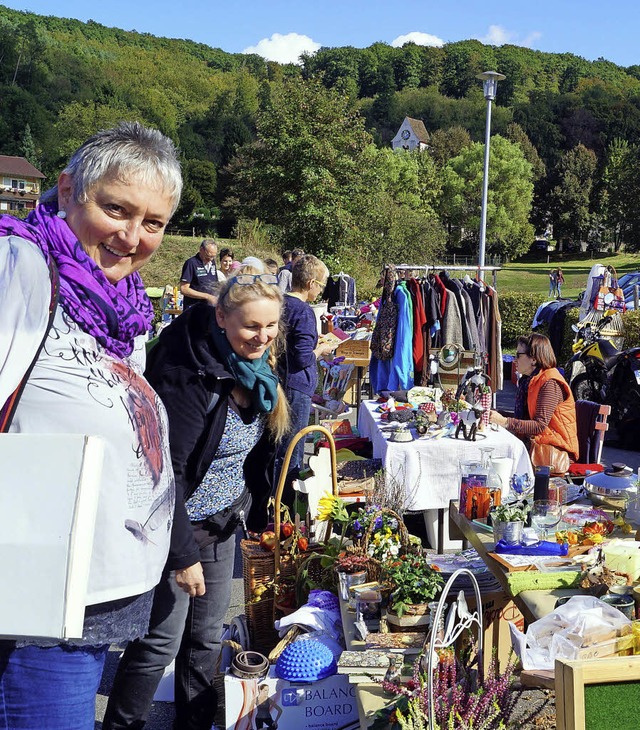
x=599, y=372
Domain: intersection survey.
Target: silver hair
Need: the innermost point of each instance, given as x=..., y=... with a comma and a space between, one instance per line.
x=128, y=151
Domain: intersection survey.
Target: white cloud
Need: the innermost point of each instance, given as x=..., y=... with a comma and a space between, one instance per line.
x=498, y=36
x=284, y=48
x=420, y=39
x=532, y=38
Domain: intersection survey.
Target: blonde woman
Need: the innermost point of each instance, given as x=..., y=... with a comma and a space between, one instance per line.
x=214, y=369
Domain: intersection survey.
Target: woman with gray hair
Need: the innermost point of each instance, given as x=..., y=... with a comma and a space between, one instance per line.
x=84, y=363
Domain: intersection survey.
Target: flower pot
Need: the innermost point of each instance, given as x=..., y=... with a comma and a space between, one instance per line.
x=346, y=580
x=510, y=532
x=416, y=618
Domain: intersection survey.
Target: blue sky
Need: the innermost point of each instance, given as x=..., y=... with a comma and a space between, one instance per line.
x=281, y=29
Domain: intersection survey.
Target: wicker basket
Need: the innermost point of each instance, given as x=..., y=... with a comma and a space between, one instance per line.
x=263, y=570
x=374, y=568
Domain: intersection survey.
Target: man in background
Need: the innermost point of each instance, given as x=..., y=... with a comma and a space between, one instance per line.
x=199, y=278
x=284, y=277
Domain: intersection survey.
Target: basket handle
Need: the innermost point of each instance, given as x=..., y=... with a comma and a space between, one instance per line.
x=283, y=477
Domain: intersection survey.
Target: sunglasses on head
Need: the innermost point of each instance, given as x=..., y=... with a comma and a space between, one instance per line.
x=248, y=279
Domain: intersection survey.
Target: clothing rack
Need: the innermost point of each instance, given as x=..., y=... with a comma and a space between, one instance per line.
x=427, y=268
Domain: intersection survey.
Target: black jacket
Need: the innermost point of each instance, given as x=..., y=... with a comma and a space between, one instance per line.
x=194, y=386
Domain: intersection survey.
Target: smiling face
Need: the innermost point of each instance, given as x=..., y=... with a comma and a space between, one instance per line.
x=225, y=264
x=120, y=225
x=251, y=327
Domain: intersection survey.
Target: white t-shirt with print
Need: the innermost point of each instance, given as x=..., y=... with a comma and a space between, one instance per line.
x=77, y=387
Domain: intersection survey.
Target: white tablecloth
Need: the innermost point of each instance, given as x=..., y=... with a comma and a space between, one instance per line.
x=430, y=468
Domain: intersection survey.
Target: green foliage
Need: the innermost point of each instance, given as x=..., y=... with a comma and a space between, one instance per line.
x=572, y=195
x=414, y=582
x=510, y=194
x=631, y=328
x=62, y=79
x=306, y=167
x=517, y=311
x=516, y=512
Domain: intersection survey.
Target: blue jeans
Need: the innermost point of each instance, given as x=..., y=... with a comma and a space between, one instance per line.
x=184, y=628
x=300, y=405
x=50, y=688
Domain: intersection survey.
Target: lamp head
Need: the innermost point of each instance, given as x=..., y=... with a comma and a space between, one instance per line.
x=490, y=83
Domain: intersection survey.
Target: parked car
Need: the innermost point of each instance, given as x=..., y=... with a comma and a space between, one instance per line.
x=627, y=282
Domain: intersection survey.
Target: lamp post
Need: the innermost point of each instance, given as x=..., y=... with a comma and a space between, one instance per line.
x=489, y=85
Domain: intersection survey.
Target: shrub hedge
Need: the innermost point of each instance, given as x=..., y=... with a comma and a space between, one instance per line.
x=631, y=329
x=517, y=311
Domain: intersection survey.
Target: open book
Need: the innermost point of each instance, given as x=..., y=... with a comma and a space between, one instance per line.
x=49, y=487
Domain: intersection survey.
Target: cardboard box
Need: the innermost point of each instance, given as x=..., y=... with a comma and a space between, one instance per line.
x=497, y=611
x=328, y=703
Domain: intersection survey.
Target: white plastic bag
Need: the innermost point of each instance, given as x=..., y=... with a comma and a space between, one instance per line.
x=577, y=629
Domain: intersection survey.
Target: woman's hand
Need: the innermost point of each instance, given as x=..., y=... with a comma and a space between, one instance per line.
x=500, y=420
x=191, y=580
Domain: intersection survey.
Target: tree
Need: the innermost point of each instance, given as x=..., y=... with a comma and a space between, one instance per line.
x=618, y=197
x=305, y=168
x=509, y=232
x=396, y=214
x=28, y=147
x=572, y=195
x=444, y=144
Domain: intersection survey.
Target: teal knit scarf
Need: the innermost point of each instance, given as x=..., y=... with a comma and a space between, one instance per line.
x=254, y=375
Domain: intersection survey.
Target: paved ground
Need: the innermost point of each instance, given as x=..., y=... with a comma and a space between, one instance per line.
x=538, y=703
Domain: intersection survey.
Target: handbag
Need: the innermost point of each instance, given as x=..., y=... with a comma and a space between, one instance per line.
x=384, y=333
x=222, y=524
x=551, y=456
x=610, y=295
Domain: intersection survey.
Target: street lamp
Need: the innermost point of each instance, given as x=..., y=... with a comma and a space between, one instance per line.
x=489, y=85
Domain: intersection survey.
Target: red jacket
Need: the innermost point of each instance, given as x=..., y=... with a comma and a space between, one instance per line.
x=562, y=431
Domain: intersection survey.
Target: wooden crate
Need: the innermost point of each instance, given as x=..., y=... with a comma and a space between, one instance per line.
x=354, y=349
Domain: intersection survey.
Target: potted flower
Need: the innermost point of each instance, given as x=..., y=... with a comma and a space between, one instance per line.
x=414, y=584
x=508, y=522
x=352, y=570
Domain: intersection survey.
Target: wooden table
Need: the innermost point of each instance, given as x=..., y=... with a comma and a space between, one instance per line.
x=533, y=604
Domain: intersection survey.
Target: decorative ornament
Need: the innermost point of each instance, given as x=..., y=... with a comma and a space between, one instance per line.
x=61, y=214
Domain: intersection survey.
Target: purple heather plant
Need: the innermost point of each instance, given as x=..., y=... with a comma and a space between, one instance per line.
x=461, y=703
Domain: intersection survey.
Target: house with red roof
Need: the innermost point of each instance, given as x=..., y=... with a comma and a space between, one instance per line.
x=20, y=184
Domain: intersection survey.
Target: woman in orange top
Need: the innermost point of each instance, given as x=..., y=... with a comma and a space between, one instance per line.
x=545, y=410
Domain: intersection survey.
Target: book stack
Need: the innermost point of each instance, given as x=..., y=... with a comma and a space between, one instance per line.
x=363, y=666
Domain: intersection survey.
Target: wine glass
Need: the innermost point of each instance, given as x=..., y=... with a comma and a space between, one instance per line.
x=545, y=514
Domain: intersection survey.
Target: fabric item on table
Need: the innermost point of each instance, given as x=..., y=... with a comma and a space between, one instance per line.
x=543, y=547
x=526, y=580
x=430, y=468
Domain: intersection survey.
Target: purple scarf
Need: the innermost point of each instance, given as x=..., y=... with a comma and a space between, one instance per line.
x=112, y=313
